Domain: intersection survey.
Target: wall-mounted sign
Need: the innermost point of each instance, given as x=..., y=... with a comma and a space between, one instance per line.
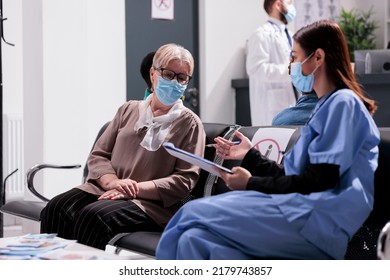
x=309, y=11
x=163, y=9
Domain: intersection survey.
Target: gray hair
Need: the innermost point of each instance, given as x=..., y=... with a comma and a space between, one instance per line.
x=169, y=52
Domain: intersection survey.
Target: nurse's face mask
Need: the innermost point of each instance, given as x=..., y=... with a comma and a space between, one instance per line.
x=301, y=82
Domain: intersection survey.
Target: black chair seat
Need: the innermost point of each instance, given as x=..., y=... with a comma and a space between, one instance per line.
x=144, y=242
x=26, y=209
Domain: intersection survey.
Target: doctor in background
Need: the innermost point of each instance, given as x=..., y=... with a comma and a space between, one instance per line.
x=268, y=53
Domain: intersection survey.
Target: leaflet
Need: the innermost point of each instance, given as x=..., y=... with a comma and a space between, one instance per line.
x=194, y=159
x=31, y=245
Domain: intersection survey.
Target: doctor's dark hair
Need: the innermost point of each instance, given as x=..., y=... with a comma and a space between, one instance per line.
x=328, y=36
x=268, y=5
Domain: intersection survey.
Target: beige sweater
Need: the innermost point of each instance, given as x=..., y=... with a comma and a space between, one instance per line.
x=118, y=151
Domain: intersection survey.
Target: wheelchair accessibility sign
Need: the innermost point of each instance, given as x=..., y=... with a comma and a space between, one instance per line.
x=163, y=9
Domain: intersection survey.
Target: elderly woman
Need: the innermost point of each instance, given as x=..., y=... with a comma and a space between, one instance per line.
x=133, y=183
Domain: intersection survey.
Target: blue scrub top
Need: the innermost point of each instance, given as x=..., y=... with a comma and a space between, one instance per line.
x=342, y=132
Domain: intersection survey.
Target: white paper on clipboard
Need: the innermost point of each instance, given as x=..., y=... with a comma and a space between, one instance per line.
x=194, y=159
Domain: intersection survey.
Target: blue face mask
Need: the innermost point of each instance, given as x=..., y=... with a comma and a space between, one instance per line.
x=168, y=92
x=301, y=82
x=291, y=13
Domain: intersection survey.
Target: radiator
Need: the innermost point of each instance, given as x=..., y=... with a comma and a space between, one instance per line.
x=13, y=156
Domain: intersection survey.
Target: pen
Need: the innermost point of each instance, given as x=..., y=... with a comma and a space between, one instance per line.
x=231, y=143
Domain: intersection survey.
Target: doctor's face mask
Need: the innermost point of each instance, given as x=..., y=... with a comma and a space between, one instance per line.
x=290, y=13
x=301, y=82
x=287, y=10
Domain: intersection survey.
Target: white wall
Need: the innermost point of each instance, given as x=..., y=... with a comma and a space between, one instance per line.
x=12, y=63
x=224, y=29
x=12, y=58
x=84, y=78
x=379, y=14
x=67, y=77
x=33, y=92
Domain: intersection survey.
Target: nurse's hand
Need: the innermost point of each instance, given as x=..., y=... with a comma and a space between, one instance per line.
x=226, y=150
x=236, y=181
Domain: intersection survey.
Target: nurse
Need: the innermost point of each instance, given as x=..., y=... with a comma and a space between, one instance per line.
x=310, y=207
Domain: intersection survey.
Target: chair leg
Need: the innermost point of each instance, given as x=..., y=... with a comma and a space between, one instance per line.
x=2, y=201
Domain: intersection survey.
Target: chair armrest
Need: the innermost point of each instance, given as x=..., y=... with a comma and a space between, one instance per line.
x=383, y=246
x=33, y=170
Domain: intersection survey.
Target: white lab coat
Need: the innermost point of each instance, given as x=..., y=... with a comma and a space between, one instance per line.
x=270, y=87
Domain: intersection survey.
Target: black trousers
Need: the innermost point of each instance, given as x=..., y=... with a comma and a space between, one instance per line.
x=78, y=215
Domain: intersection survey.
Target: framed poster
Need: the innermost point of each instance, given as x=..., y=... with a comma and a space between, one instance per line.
x=163, y=9
x=309, y=11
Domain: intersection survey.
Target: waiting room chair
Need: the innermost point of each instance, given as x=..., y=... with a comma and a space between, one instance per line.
x=384, y=243
x=32, y=209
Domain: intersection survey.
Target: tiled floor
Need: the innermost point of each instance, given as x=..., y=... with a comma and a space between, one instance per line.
x=12, y=225
x=12, y=231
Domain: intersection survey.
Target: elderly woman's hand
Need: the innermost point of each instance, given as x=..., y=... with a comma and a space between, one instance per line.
x=226, y=150
x=121, y=189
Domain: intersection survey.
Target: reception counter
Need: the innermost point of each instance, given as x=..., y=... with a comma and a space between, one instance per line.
x=375, y=85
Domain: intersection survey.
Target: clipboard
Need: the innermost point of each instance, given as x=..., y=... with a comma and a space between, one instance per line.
x=203, y=163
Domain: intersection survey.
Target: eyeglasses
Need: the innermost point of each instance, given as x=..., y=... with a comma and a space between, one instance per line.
x=169, y=75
